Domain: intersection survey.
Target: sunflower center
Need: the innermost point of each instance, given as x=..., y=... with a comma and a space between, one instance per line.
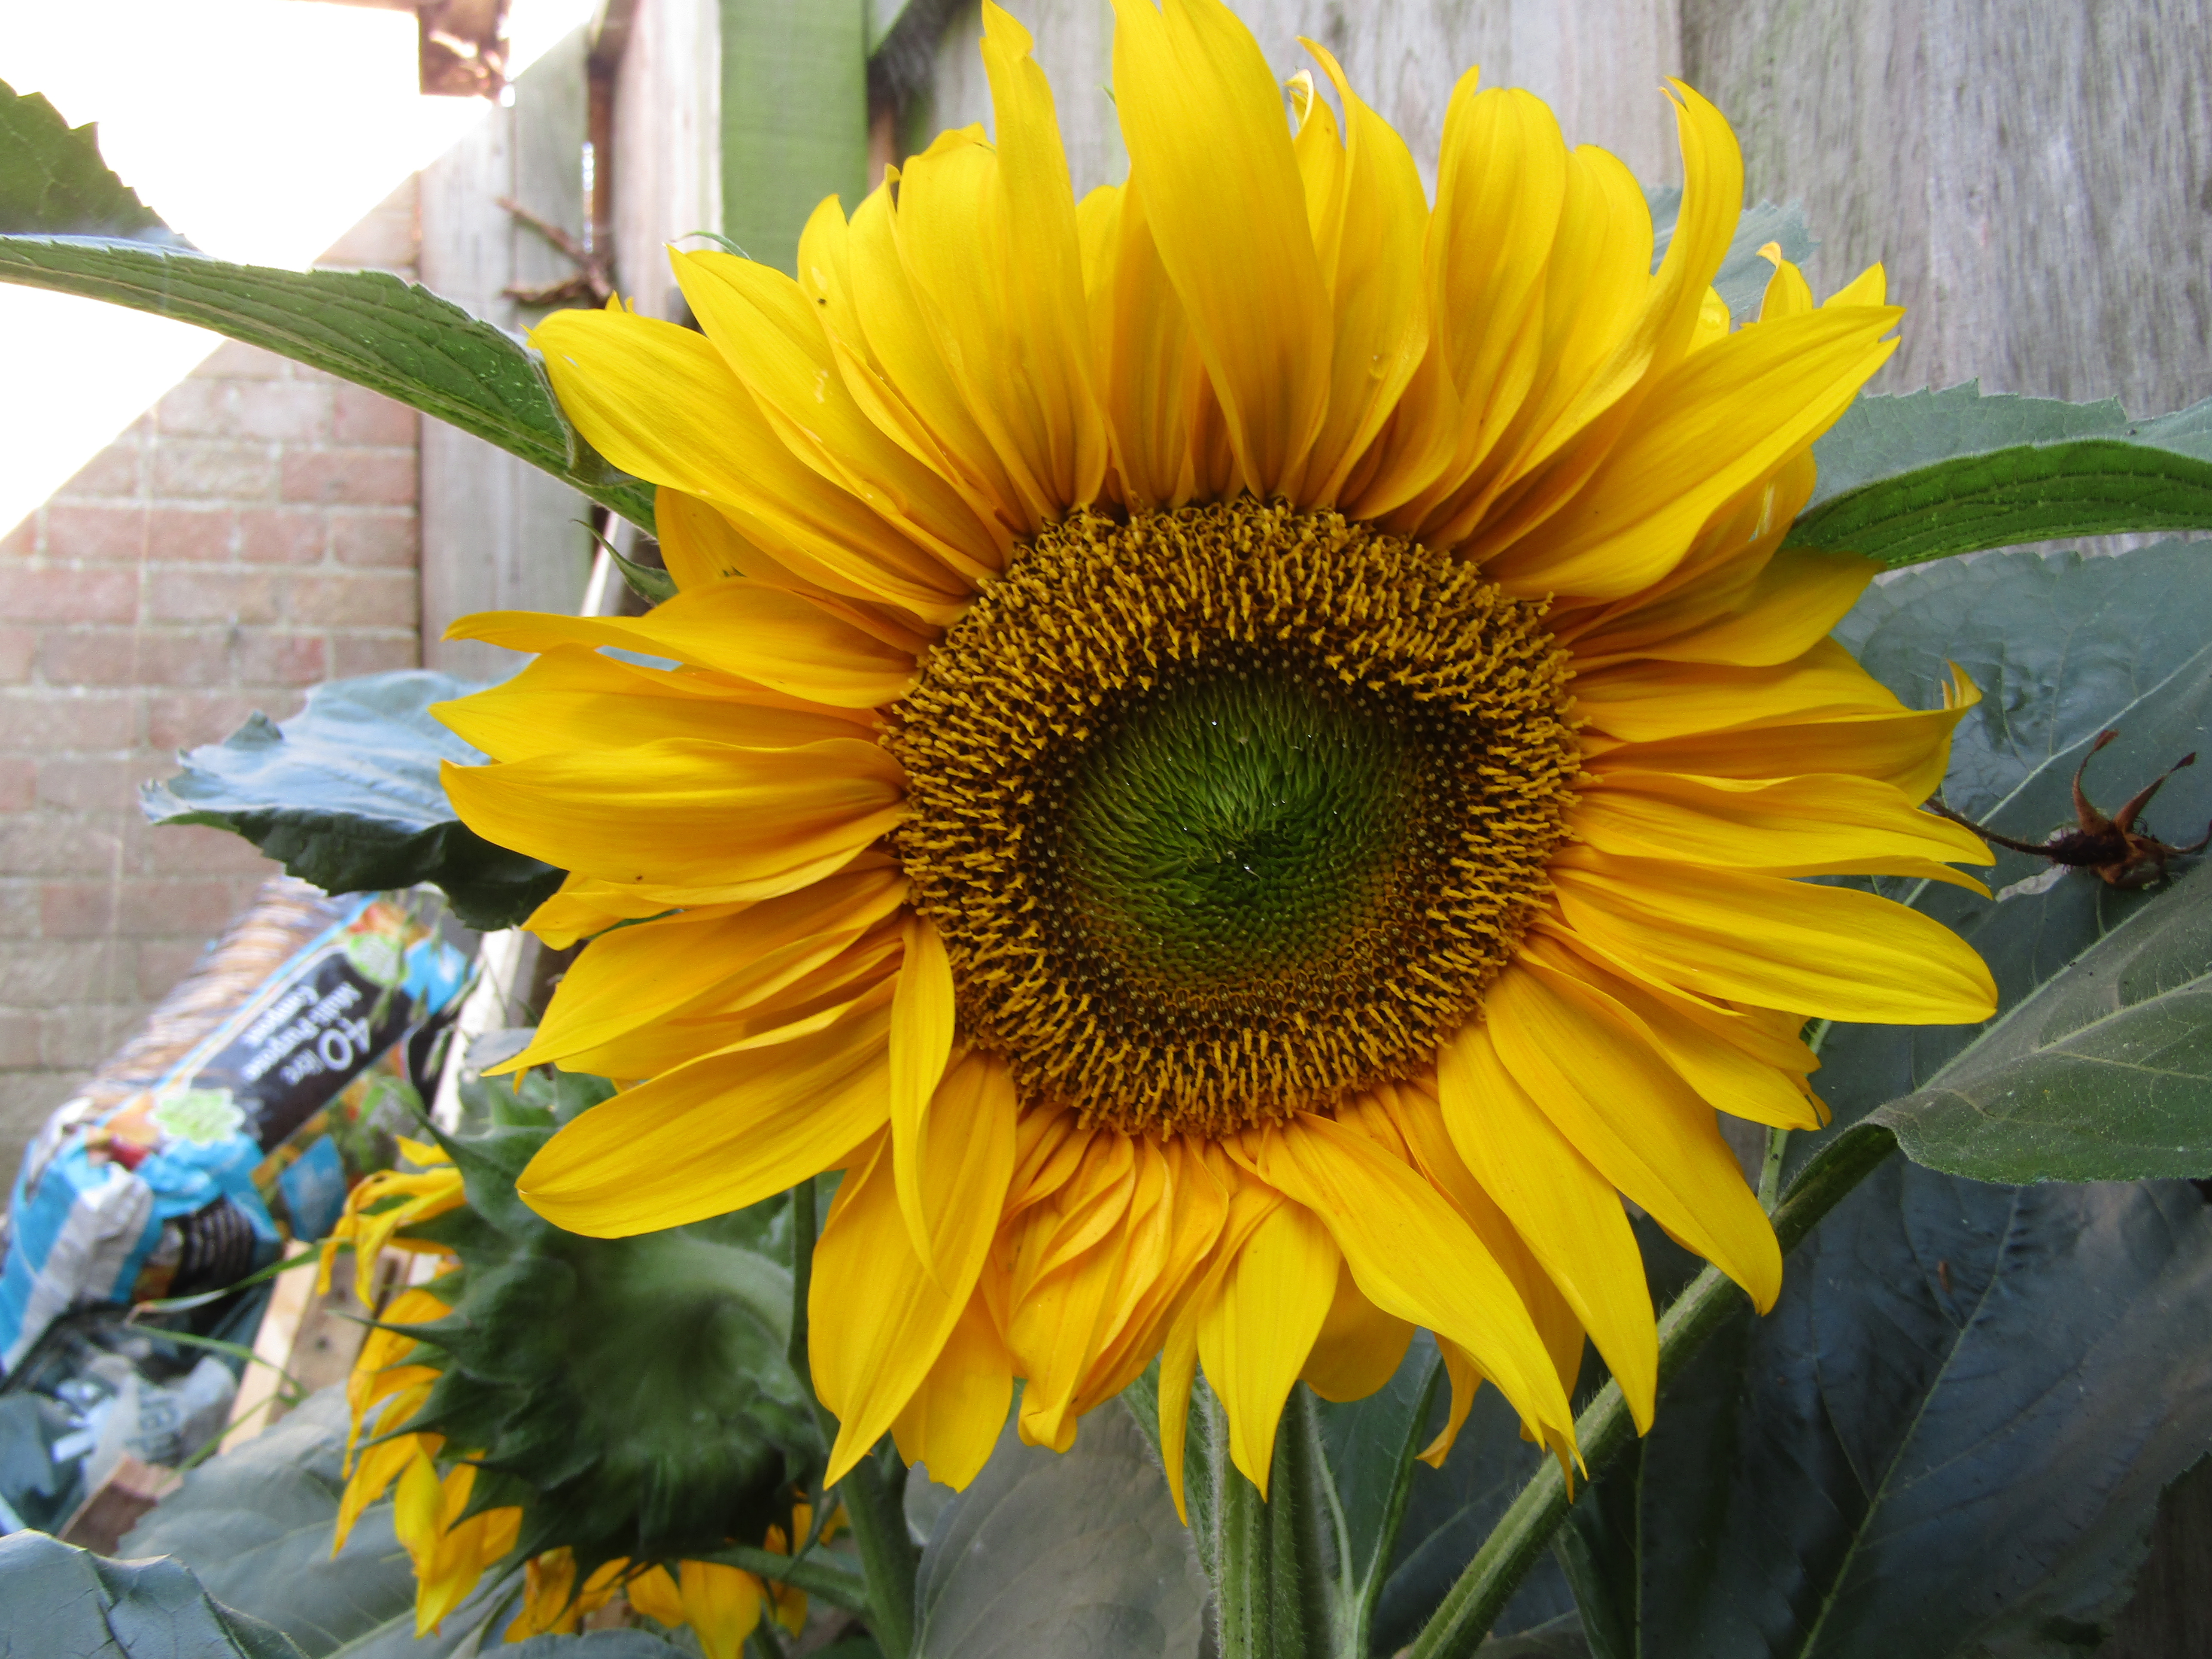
x=1231, y=812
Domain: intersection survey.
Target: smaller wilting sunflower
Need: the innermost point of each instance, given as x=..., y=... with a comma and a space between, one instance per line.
x=585, y=1408
x=1236, y=753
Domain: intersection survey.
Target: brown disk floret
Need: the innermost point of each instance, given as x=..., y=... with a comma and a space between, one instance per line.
x=1230, y=812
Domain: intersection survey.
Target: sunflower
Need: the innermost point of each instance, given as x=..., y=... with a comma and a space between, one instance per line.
x=538, y=1477
x=1234, y=753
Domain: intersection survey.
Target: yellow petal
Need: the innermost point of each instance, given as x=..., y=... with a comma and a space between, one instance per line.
x=721, y=1603
x=720, y=815
x=1589, y=1067
x=1369, y=238
x=1148, y=363
x=1769, y=942
x=1568, y=1213
x=659, y=401
x=922, y=1019
x=635, y=976
x=1359, y=1348
x=653, y=1593
x=1829, y=823
x=1724, y=1071
x=1203, y=120
x=698, y=545
x=1717, y=422
x=1788, y=293
x=1415, y=1257
x=713, y=1136
x=1799, y=595
x=955, y=1416
x=1651, y=702
x=737, y=627
x=765, y=329
x=877, y=1319
x=987, y=236
x=573, y=698
x=1256, y=1332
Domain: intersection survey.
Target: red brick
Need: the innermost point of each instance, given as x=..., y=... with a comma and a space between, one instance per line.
x=355, y=478
x=73, y=593
x=235, y=360
x=114, y=471
x=280, y=659
x=210, y=596
x=23, y=541
x=390, y=540
x=162, y=963
x=185, y=720
x=373, y=653
x=19, y=1041
x=133, y=656
x=19, y=647
x=55, y=844
x=174, y=849
x=194, y=468
x=284, y=411
x=54, y=973
x=197, y=406
x=282, y=535
x=361, y=416
x=58, y=721
x=19, y=783
x=113, y=533
x=143, y=907
x=203, y=535
x=86, y=783
x=356, y=600
x=85, y=1033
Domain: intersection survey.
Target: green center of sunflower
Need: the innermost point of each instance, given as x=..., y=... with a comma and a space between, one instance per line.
x=1231, y=812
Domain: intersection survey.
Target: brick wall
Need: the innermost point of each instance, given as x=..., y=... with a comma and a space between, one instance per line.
x=254, y=532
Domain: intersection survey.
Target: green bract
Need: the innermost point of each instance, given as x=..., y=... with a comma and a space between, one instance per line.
x=631, y=1394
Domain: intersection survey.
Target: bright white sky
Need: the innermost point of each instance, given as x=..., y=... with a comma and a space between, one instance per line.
x=262, y=129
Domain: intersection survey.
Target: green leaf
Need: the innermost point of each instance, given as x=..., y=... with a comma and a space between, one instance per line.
x=1368, y=1448
x=255, y=1526
x=1950, y=1434
x=1068, y=1552
x=346, y=794
x=366, y=326
x=62, y=1602
x=1905, y=479
x=2103, y=1075
x=52, y=178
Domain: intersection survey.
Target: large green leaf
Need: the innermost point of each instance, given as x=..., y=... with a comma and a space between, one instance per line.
x=68, y=224
x=52, y=178
x=1950, y=1434
x=1947, y=1438
x=255, y=1526
x=1904, y=479
x=60, y=1602
x=346, y=794
x=1073, y=1552
x=2104, y=1074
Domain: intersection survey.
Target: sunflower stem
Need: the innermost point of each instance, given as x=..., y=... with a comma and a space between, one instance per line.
x=1605, y=1429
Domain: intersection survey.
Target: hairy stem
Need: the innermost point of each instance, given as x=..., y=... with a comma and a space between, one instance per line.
x=1605, y=1428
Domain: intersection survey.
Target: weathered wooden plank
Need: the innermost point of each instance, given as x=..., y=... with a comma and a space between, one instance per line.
x=2037, y=177
x=794, y=117
x=667, y=149
x=497, y=533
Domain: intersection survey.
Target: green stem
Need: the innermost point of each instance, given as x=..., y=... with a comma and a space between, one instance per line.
x=1246, y=1584
x=1605, y=1429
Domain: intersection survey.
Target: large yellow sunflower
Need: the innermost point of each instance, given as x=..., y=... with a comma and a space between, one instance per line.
x=1234, y=753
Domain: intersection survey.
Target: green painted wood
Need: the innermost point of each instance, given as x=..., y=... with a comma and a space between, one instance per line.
x=794, y=117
